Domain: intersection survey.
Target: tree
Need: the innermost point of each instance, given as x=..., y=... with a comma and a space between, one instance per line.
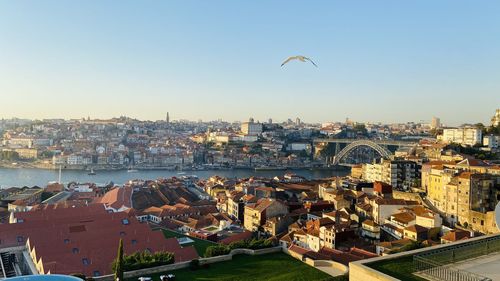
x=494, y=130
x=303, y=153
x=360, y=129
x=9, y=155
x=119, y=262
x=328, y=150
x=481, y=127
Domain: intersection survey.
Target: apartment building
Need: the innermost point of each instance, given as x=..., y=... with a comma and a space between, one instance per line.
x=464, y=135
x=257, y=214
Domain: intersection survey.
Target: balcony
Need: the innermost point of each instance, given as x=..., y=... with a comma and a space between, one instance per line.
x=475, y=259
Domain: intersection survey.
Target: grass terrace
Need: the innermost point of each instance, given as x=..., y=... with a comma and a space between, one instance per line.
x=400, y=268
x=270, y=267
x=199, y=244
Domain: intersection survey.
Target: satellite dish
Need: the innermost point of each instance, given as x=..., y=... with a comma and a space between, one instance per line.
x=497, y=215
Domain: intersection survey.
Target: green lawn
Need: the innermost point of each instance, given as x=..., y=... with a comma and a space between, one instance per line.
x=199, y=245
x=270, y=267
x=401, y=268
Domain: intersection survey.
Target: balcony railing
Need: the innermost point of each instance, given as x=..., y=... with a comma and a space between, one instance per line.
x=435, y=270
x=438, y=264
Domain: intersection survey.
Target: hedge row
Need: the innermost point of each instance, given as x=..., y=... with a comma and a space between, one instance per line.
x=254, y=244
x=145, y=259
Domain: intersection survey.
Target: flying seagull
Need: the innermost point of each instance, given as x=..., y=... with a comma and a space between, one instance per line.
x=301, y=58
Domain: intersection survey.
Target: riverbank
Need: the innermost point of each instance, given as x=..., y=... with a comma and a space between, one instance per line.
x=46, y=166
x=40, y=177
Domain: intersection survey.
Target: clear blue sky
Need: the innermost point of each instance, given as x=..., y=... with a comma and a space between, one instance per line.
x=389, y=61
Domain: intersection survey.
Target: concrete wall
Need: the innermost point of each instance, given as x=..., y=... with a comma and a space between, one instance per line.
x=406, y=196
x=326, y=263
x=360, y=272
x=171, y=267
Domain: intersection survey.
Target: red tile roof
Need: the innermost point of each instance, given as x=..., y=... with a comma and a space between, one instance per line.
x=456, y=235
x=118, y=197
x=63, y=237
x=245, y=235
x=298, y=250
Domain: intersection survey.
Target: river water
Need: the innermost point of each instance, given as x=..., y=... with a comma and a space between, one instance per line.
x=39, y=177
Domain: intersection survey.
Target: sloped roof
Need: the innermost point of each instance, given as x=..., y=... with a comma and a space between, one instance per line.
x=118, y=197
x=456, y=235
x=416, y=228
x=63, y=237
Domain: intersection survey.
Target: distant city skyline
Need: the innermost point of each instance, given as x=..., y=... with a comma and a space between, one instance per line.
x=378, y=61
x=251, y=119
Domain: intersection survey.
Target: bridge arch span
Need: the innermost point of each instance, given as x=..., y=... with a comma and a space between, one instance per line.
x=384, y=152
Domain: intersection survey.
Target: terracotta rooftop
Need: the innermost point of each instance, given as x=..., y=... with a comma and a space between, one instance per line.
x=245, y=235
x=118, y=197
x=456, y=235
x=298, y=250
x=66, y=239
x=370, y=223
x=404, y=217
x=416, y=228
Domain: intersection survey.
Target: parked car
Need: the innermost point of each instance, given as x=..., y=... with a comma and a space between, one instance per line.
x=168, y=277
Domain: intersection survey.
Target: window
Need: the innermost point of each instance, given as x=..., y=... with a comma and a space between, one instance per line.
x=122, y=233
x=20, y=239
x=134, y=241
x=76, y=251
x=66, y=241
x=125, y=221
x=85, y=261
x=96, y=273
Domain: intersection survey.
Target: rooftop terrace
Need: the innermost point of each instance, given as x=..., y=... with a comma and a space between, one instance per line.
x=470, y=260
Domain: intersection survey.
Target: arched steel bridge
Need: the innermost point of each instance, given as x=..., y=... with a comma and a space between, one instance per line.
x=378, y=145
x=382, y=151
x=380, y=142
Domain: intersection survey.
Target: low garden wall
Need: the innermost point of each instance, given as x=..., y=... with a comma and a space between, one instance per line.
x=180, y=265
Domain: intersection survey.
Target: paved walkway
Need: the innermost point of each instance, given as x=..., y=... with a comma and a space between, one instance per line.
x=330, y=270
x=487, y=266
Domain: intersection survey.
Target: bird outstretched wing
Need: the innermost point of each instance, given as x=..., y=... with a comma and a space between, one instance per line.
x=288, y=59
x=311, y=61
